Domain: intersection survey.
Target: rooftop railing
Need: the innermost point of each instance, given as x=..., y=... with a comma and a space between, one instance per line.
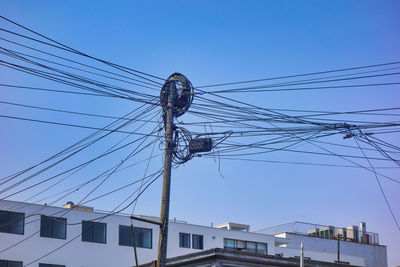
x=350, y=233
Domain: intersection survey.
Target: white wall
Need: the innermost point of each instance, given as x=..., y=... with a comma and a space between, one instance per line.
x=213, y=238
x=374, y=255
x=76, y=253
x=321, y=256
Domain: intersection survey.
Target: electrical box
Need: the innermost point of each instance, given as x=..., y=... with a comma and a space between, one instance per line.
x=199, y=145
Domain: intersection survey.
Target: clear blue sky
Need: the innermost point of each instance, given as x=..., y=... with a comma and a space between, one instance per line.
x=213, y=42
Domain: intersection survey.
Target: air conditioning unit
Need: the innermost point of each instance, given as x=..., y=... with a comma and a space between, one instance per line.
x=313, y=232
x=327, y=232
x=352, y=233
x=341, y=233
x=364, y=237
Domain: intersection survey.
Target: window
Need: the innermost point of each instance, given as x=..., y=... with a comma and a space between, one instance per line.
x=261, y=248
x=4, y=263
x=53, y=227
x=184, y=240
x=248, y=246
x=94, y=232
x=143, y=236
x=12, y=222
x=251, y=247
x=229, y=243
x=50, y=265
x=197, y=241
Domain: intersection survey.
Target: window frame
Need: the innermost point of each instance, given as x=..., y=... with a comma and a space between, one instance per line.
x=52, y=227
x=246, y=248
x=50, y=265
x=93, y=232
x=9, y=222
x=186, y=235
x=7, y=262
x=131, y=238
x=193, y=241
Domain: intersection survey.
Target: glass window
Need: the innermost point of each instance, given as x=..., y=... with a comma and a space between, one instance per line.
x=251, y=247
x=93, y=232
x=46, y=226
x=12, y=222
x=59, y=228
x=197, y=241
x=184, y=240
x=53, y=227
x=100, y=232
x=261, y=248
x=125, y=236
x=4, y=221
x=229, y=243
x=254, y=247
x=17, y=223
x=240, y=245
x=143, y=236
x=50, y=265
x=87, y=231
x=14, y=264
x=4, y=263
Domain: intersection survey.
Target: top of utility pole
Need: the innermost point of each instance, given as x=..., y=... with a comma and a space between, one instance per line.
x=183, y=95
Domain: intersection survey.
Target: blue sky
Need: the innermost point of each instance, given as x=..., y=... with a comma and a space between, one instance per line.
x=213, y=42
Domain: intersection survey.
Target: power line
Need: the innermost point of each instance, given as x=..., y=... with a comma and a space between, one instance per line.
x=301, y=75
x=66, y=75
x=67, y=111
x=69, y=49
x=293, y=162
x=67, y=124
x=77, y=62
x=76, y=145
x=256, y=90
x=380, y=186
x=52, y=90
x=68, y=156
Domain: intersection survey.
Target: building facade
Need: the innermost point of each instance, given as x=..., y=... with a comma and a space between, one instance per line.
x=46, y=236
x=219, y=257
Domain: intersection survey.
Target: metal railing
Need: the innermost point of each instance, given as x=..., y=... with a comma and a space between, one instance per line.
x=350, y=233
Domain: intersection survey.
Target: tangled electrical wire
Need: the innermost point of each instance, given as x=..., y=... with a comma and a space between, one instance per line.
x=184, y=93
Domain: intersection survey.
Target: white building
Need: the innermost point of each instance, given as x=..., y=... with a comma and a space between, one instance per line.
x=44, y=236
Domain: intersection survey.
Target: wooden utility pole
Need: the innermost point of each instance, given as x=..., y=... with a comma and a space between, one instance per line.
x=169, y=121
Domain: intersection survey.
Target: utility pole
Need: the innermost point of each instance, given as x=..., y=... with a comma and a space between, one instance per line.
x=338, y=248
x=176, y=97
x=169, y=121
x=301, y=255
